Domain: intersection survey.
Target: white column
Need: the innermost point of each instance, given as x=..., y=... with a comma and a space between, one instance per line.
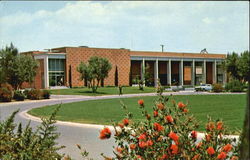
x=169, y=72
x=215, y=72
x=204, y=72
x=193, y=72
x=181, y=72
x=225, y=77
x=46, y=72
x=142, y=69
x=156, y=74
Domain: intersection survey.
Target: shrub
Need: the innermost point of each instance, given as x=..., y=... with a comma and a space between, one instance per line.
x=217, y=87
x=46, y=94
x=24, y=143
x=168, y=133
x=35, y=94
x=26, y=93
x=19, y=96
x=234, y=86
x=6, y=92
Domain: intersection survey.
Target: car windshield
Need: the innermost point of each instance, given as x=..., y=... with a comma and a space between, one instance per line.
x=203, y=85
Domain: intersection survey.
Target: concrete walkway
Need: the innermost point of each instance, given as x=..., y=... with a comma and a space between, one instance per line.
x=75, y=133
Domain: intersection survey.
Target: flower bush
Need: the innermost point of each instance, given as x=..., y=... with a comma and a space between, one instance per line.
x=19, y=96
x=170, y=133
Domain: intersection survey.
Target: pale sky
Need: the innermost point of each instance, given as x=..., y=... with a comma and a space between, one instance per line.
x=220, y=27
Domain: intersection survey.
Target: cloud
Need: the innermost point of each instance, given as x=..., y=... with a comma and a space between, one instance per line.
x=135, y=25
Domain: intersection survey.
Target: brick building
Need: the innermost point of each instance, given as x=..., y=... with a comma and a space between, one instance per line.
x=58, y=67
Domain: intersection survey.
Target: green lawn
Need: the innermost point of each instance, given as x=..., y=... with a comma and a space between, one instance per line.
x=101, y=91
x=230, y=108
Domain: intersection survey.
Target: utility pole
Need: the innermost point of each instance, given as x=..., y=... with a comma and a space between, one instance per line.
x=162, y=46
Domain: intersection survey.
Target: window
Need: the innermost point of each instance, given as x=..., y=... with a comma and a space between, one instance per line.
x=56, y=72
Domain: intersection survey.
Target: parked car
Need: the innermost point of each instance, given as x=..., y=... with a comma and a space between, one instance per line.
x=204, y=87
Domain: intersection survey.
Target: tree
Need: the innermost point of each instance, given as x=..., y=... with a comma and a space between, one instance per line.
x=244, y=66
x=96, y=70
x=238, y=66
x=16, y=68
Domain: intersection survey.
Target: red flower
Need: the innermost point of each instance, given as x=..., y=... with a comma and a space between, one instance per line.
x=222, y=155
x=155, y=113
x=125, y=121
x=169, y=118
x=194, y=134
x=142, y=144
x=132, y=146
x=105, y=133
x=149, y=143
x=142, y=137
x=174, y=149
x=158, y=127
x=173, y=136
x=141, y=102
x=219, y=125
x=181, y=105
x=160, y=106
x=139, y=157
x=227, y=148
x=210, y=151
x=196, y=157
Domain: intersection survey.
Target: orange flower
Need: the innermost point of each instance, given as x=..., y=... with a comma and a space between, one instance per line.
x=185, y=110
x=125, y=121
x=155, y=113
x=222, y=155
x=173, y=136
x=181, y=105
x=219, y=125
x=142, y=137
x=194, y=134
x=119, y=149
x=196, y=157
x=163, y=157
x=142, y=144
x=227, y=148
x=132, y=146
x=105, y=133
x=138, y=157
x=121, y=125
x=169, y=118
x=210, y=151
x=210, y=126
x=158, y=127
x=141, y=102
x=208, y=137
x=149, y=143
x=234, y=158
x=160, y=106
x=174, y=149
x=199, y=145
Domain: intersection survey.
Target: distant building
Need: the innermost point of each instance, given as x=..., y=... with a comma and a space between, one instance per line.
x=58, y=67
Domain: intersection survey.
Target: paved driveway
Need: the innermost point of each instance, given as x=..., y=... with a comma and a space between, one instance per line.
x=71, y=135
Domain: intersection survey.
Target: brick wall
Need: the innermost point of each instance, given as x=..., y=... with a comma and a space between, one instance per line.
x=39, y=78
x=209, y=72
x=117, y=57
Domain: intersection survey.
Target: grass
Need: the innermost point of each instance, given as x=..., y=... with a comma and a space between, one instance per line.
x=101, y=91
x=230, y=108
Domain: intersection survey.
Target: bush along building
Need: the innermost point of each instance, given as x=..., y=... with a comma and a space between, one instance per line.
x=58, y=67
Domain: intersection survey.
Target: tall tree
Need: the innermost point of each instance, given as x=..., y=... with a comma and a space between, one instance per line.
x=96, y=70
x=238, y=65
x=16, y=68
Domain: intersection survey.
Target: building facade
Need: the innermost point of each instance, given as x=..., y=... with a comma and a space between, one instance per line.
x=58, y=67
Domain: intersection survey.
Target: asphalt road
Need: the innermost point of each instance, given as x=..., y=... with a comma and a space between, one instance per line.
x=86, y=136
